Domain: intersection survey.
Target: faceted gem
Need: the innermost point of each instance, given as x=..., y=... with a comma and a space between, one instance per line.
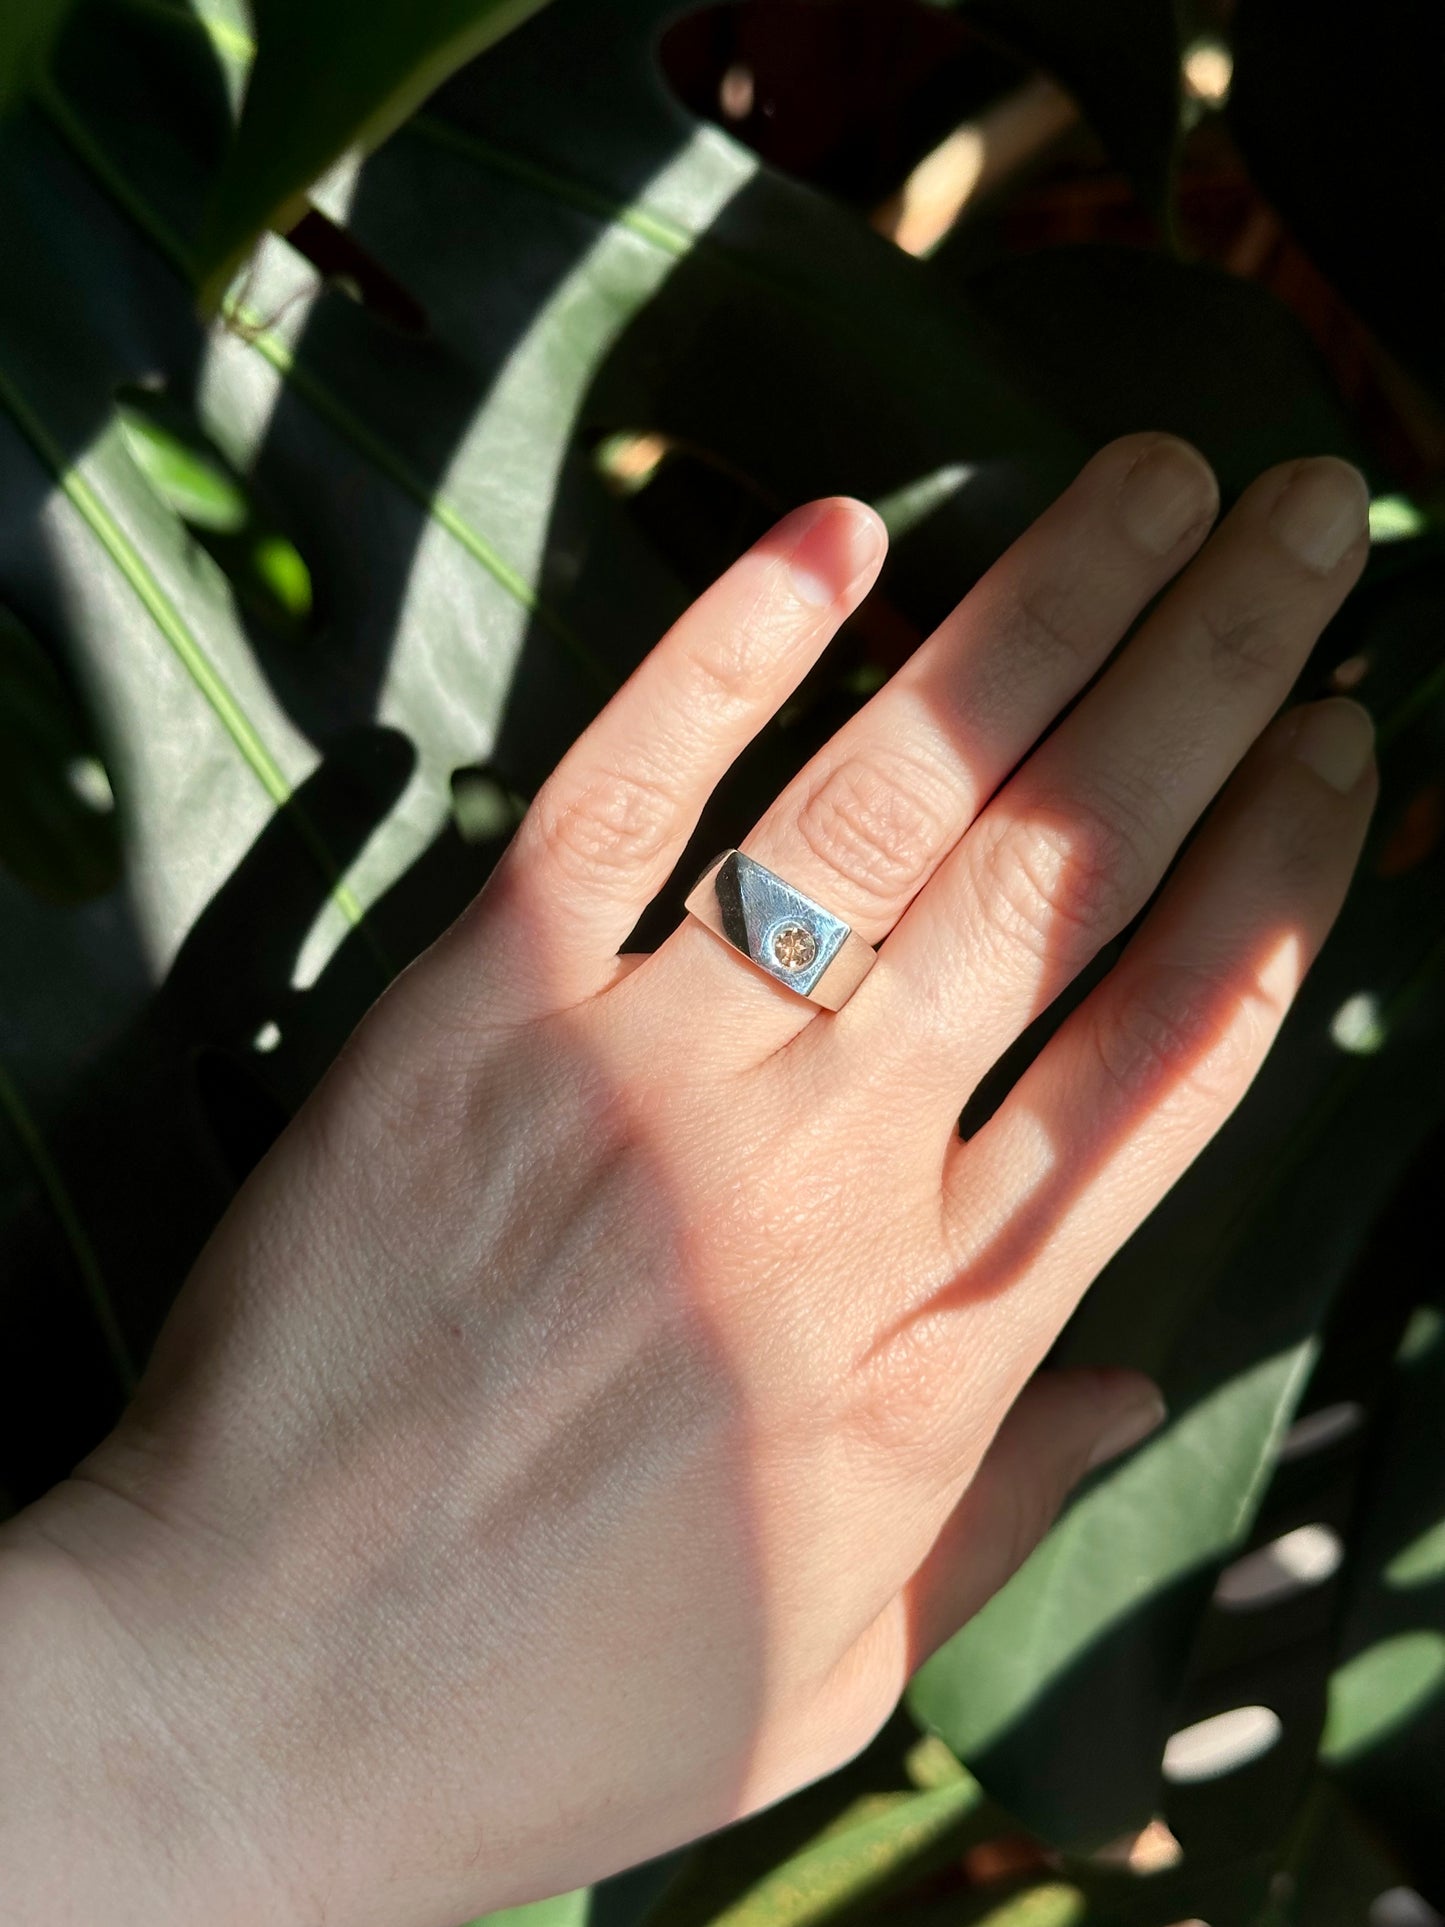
x=794, y=946
x=793, y=938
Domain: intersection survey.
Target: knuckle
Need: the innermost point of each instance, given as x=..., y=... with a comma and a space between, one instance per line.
x=606, y=828
x=1181, y=1031
x=1290, y=840
x=871, y=824
x=899, y=1410
x=1061, y=882
x=731, y=661
x=1245, y=641
x=1040, y=620
x=1047, y=622
x=738, y=659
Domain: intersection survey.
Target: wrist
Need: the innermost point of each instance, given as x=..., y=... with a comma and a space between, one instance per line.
x=112, y=1801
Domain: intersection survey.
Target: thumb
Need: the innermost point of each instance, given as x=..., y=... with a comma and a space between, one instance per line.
x=1063, y=1425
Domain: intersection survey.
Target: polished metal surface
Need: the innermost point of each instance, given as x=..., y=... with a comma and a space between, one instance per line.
x=795, y=940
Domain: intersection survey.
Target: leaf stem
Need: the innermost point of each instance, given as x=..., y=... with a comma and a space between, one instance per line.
x=251, y=328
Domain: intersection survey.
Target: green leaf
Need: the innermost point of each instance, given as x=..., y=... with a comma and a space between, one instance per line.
x=328, y=77
x=1082, y=1657
x=1117, y=340
x=27, y=29
x=57, y=813
x=1386, y=1716
x=112, y=1342
x=901, y=1812
x=1378, y=1691
x=281, y=575
x=1339, y=1870
x=189, y=476
x=1421, y=1562
x=889, y=1841
x=566, y=1910
x=478, y=587
x=1054, y=1903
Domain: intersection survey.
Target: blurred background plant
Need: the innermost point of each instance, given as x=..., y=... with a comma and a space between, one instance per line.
x=357, y=437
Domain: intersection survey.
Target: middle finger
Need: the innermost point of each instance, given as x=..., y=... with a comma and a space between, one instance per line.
x=1072, y=848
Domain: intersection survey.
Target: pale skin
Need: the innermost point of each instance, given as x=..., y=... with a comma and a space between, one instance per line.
x=622, y=1375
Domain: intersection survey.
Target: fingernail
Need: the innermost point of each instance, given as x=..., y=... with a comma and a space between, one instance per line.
x=832, y=550
x=1169, y=491
x=1336, y=740
x=1323, y=512
x=1132, y=1425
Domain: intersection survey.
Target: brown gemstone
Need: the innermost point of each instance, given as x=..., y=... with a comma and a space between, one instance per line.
x=794, y=946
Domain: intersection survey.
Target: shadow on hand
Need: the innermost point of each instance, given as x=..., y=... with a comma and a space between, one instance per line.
x=188, y=1099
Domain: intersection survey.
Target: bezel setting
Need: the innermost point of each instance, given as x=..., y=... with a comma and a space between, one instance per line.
x=755, y=907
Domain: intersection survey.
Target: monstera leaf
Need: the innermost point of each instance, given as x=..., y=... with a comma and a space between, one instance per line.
x=318, y=87
x=1385, y=1718
x=27, y=28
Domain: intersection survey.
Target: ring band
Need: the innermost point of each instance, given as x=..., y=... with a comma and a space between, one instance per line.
x=796, y=941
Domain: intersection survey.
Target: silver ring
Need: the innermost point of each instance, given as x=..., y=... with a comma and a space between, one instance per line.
x=796, y=941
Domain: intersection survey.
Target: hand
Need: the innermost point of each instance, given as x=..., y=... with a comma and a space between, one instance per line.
x=621, y=1375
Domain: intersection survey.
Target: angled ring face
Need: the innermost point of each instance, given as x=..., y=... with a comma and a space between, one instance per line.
x=796, y=941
